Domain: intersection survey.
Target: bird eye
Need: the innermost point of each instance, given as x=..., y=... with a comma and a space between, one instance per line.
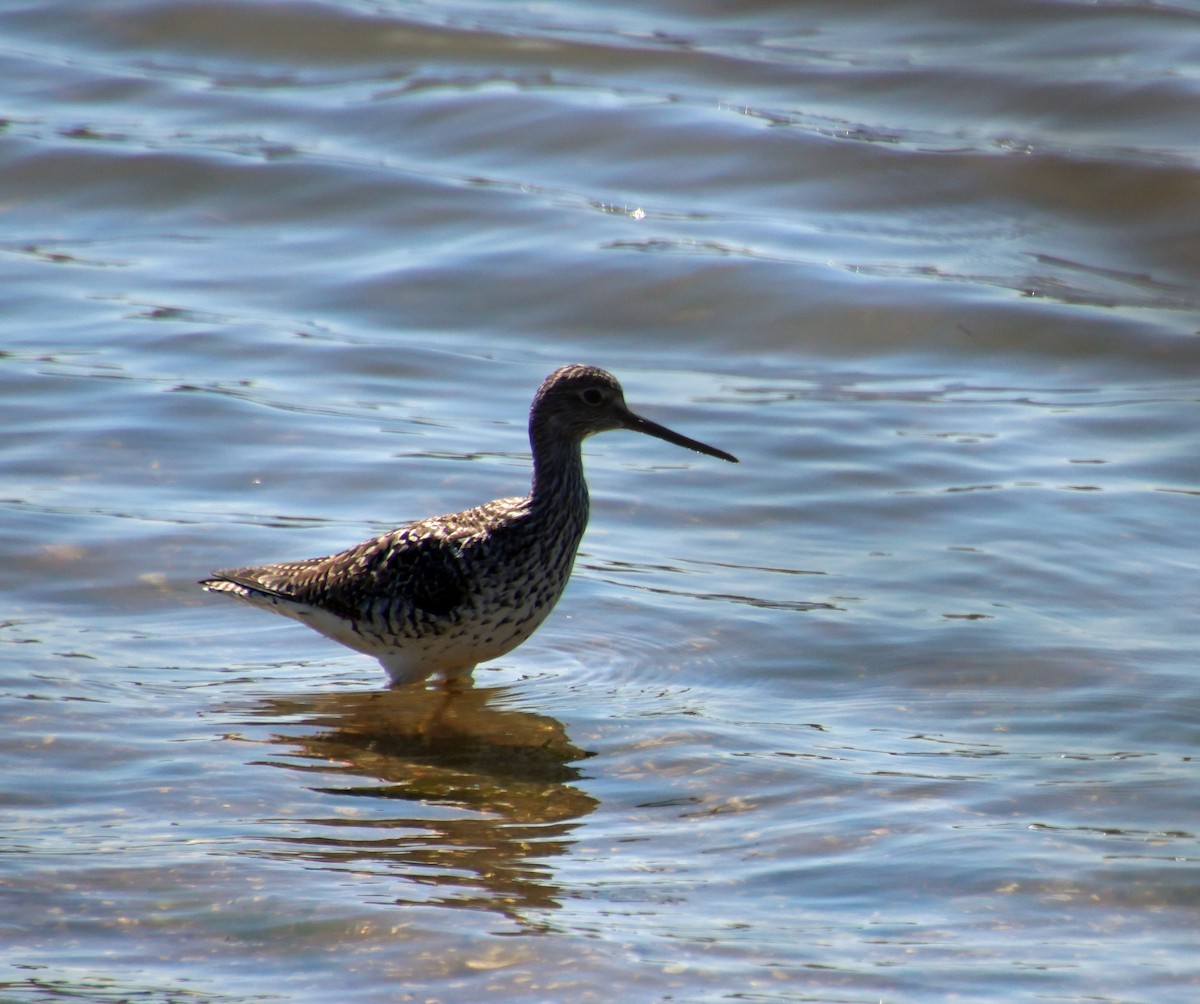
x=592, y=396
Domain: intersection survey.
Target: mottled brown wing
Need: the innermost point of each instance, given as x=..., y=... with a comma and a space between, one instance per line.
x=403, y=567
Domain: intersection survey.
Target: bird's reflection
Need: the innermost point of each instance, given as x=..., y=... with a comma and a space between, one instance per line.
x=469, y=798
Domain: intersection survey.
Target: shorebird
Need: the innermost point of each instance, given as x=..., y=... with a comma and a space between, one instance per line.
x=440, y=595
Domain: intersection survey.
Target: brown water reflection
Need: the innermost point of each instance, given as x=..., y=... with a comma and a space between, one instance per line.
x=468, y=799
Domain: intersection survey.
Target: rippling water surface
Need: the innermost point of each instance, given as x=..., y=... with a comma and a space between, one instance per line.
x=903, y=708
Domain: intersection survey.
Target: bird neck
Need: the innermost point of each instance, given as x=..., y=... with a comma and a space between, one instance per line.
x=558, y=475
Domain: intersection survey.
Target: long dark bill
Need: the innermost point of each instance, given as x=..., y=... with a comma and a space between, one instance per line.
x=636, y=423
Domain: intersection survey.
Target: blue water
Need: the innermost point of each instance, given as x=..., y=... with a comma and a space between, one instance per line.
x=903, y=708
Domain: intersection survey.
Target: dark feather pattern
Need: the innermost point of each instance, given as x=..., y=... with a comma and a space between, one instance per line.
x=441, y=594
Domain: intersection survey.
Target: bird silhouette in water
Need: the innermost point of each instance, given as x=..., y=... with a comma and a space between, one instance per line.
x=443, y=594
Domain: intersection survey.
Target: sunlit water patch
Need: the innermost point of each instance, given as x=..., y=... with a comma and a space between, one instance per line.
x=902, y=708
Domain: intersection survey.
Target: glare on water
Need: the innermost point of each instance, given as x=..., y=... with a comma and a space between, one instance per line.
x=901, y=708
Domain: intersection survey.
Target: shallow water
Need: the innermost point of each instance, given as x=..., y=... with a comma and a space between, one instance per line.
x=903, y=708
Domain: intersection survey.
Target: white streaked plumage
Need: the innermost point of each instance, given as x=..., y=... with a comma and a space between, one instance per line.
x=442, y=594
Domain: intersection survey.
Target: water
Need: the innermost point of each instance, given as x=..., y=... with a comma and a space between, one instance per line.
x=903, y=708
